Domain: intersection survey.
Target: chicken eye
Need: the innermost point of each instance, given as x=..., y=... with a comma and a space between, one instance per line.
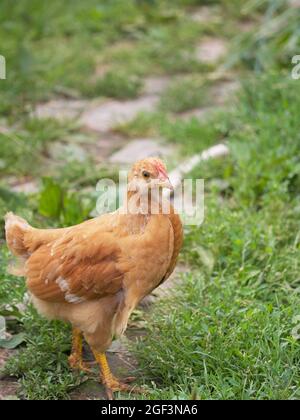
x=146, y=174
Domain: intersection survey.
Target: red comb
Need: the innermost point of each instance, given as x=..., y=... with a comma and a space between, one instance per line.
x=161, y=169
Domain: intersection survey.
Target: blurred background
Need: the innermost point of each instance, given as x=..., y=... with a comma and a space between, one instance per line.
x=83, y=80
x=91, y=87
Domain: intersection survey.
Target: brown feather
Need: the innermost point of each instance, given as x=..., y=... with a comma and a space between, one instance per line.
x=178, y=240
x=77, y=265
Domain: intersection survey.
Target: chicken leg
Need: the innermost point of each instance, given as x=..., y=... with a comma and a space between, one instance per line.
x=111, y=383
x=75, y=358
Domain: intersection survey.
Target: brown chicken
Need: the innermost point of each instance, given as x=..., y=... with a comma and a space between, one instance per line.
x=93, y=275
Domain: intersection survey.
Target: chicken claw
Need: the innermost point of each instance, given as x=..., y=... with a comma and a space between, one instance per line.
x=111, y=383
x=77, y=364
x=119, y=386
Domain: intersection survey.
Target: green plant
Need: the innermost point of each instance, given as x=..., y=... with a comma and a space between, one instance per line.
x=67, y=208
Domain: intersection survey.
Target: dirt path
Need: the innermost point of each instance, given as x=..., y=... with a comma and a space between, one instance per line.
x=8, y=386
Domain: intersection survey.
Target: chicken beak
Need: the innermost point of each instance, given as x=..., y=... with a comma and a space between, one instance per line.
x=166, y=183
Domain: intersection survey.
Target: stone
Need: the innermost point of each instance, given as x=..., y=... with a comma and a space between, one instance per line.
x=29, y=187
x=89, y=390
x=211, y=50
x=156, y=85
x=67, y=152
x=8, y=390
x=4, y=129
x=60, y=109
x=294, y=3
x=246, y=25
x=4, y=355
x=104, y=146
x=8, y=386
x=118, y=346
x=198, y=113
x=109, y=114
x=224, y=91
x=203, y=14
x=25, y=185
x=140, y=149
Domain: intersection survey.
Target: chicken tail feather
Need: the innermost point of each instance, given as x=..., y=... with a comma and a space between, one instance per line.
x=16, y=229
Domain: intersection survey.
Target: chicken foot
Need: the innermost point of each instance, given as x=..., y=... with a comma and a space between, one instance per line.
x=111, y=383
x=75, y=359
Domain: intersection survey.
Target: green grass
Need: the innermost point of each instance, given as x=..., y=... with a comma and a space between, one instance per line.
x=185, y=94
x=91, y=50
x=58, y=47
x=229, y=334
x=274, y=42
x=29, y=140
x=43, y=364
x=191, y=136
x=116, y=85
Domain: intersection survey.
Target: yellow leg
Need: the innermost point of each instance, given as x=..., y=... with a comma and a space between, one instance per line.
x=75, y=358
x=109, y=381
